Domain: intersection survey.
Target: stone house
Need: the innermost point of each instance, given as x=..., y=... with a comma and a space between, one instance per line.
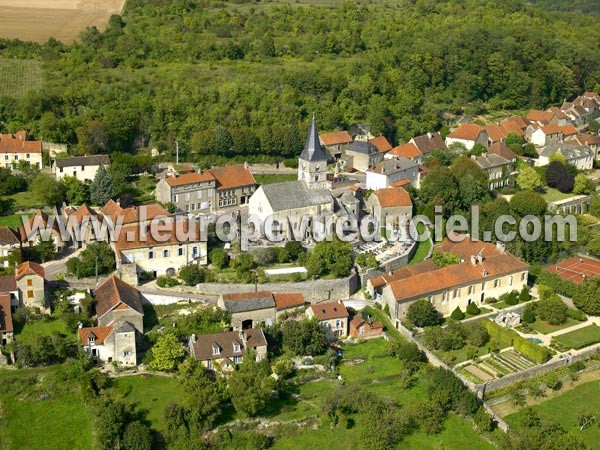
x=83, y=168
x=363, y=155
x=580, y=156
x=9, y=243
x=333, y=316
x=542, y=118
x=468, y=135
x=82, y=223
x=134, y=214
x=486, y=270
x=31, y=283
x=542, y=135
x=112, y=343
x=251, y=309
x=361, y=328
x=390, y=171
x=393, y=204
x=381, y=144
x=592, y=141
x=221, y=352
x=15, y=148
x=38, y=225
x=336, y=142
x=497, y=168
x=161, y=249
x=117, y=301
x=408, y=151
x=6, y=324
x=427, y=143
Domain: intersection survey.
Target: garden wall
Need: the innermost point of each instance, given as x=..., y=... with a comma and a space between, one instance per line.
x=313, y=291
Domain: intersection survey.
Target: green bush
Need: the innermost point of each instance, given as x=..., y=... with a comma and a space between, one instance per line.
x=544, y=291
x=510, y=298
x=524, y=295
x=457, y=314
x=528, y=314
x=491, y=300
x=166, y=282
x=576, y=314
x=473, y=309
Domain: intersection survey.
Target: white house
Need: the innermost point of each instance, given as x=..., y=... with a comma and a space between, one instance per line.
x=540, y=136
x=581, y=156
x=469, y=135
x=390, y=171
x=83, y=168
x=15, y=148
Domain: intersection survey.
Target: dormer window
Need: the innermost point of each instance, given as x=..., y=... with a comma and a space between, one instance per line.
x=237, y=347
x=91, y=340
x=216, y=349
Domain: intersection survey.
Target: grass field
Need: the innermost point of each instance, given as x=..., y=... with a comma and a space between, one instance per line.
x=422, y=247
x=570, y=404
x=580, y=338
x=23, y=201
x=13, y=221
x=553, y=195
x=271, y=178
x=19, y=76
x=28, y=333
x=39, y=20
x=544, y=327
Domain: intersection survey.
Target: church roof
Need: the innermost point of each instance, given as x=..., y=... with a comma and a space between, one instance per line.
x=313, y=150
x=294, y=194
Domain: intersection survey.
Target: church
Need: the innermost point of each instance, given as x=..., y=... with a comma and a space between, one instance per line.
x=308, y=196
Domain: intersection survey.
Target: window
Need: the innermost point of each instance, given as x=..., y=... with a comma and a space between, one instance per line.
x=510, y=280
x=195, y=253
x=237, y=348
x=209, y=364
x=187, y=208
x=237, y=359
x=91, y=340
x=216, y=349
x=29, y=282
x=455, y=293
x=150, y=254
x=193, y=207
x=126, y=354
x=523, y=276
x=166, y=253
x=6, y=157
x=482, y=286
x=180, y=251
x=29, y=294
x=16, y=157
x=82, y=168
x=362, y=330
x=27, y=156
x=496, y=283
x=338, y=323
x=175, y=198
x=186, y=196
x=470, y=290
x=61, y=170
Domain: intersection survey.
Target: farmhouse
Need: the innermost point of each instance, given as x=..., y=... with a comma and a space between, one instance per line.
x=17, y=147
x=361, y=328
x=336, y=142
x=83, y=168
x=31, y=284
x=390, y=171
x=222, y=351
x=118, y=301
x=112, y=343
x=333, y=316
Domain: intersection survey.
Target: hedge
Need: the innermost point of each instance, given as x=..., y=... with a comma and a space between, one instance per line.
x=560, y=286
x=507, y=337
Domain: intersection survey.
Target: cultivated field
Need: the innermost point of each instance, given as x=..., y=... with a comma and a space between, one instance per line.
x=38, y=20
x=19, y=76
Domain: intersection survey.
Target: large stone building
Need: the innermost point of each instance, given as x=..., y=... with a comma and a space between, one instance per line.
x=31, y=283
x=468, y=135
x=497, y=168
x=207, y=190
x=83, y=168
x=361, y=155
x=118, y=301
x=580, y=156
x=486, y=270
x=38, y=226
x=391, y=171
x=221, y=352
x=312, y=163
x=251, y=309
x=391, y=204
x=333, y=316
x=15, y=148
x=336, y=142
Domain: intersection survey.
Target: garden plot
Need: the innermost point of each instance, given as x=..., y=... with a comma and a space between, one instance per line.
x=506, y=363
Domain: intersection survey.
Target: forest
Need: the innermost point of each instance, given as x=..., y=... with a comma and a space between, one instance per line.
x=240, y=79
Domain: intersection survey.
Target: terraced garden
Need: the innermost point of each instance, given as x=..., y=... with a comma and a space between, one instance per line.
x=496, y=366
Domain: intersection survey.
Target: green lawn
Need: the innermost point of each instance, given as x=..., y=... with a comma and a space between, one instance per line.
x=150, y=393
x=544, y=327
x=271, y=178
x=422, y=247
x=13, y=221
x=29, y=421
x=19, y=76
x=24, y=201
x=552, y=195
x=482, y=310
x=580, y=338
x=28, y=333
x=565, y=409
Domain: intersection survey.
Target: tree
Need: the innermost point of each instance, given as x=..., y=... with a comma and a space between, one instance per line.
x=595, y=206
x=383, y=424
x=525, y=203
x=464, y=166
x=221, y=141
x=587, y=296
x=441, y=187
x=302, y=338
x=552, y=310
x=528, y=314
x=201, y=401
x=102, y=189
x=218, y=258
x=528, y=179
x=46, y=189
x=422, y=313
x=96, y=258
x=76, y=192
x=167, y=352
x=330, y=257
x=473, y=309
x=192, y=274
x=524, y=295
x=470, y=191
x=93, y=137
x=583, y=185
x=514, y=142
x=45, y=248
x=250, y=387
x=558, y=177
x=457, y=314
x=136, y=437
x=444, y=259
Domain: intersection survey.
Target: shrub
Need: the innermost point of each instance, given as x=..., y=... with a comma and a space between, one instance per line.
x=473, y=309
x=166, y=282
x=528, y=314
x=544, y=291
x=192, y=274
x=457, y=314
x=524, y=295
x=552, y=310
x=421, y=313
x=510, y=298
x=507, y=337
x=576, y=314
x=490, y=300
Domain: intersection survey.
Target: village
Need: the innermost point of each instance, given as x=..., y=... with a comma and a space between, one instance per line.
x=488, y=316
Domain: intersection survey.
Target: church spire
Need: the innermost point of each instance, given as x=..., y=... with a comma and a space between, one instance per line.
x=313, y=150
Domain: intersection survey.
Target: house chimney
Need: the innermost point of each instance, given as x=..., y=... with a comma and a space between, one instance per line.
x=242, y=336
x=246, y=165
x=80, y=325
x=474, y=260
x=193, y=338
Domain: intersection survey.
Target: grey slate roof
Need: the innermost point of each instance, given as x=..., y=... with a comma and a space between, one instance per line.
x=362, y=147
x=491, y=160
x=93, y=160
x=294, y=194
x=569, y=151
x=389, y=166
x=313, y=150
x=252, y=303
x=348, y=199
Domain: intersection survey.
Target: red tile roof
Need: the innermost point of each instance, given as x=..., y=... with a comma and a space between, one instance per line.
x=230, y=177
x=568, y=130
x=291, y=300
x=171, y=232
x=357, y=322
x=467, y=132
x=521, y=122
x=429, y=142
x=409, y=151
x=381, y=143
x=587, y=139
x=513, y=127
x=401, y=183
x=7, y=283
x=543, y=117
x=80, y=214
x=29, y=268
x=329, y=310
x=500, y=148
x=19, y=144
x=8, y=236
x=393, y=196
x=190, y=178
x=335, y=137
x=551, y=129
x=115, y=292
x=98, y=333
x=39, y=220
x=403, y=272
x=6, y=324
x=495, y=132
x=133, y=214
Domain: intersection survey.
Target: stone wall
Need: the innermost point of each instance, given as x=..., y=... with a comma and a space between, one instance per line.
x=313, y=291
